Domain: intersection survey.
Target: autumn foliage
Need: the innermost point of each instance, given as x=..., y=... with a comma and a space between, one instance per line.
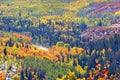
x=2, y=76
x=22, y=36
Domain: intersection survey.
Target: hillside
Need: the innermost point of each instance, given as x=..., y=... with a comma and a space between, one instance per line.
x=52, y=21
x=80, y=38
x=24, y=59
x=94, y=34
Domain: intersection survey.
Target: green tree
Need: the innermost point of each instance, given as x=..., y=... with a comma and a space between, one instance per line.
x=16, y=77
x=22, y=75
x=61, y=44
x=5, y=51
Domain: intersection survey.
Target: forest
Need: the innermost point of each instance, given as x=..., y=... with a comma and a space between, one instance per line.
x=81, y=38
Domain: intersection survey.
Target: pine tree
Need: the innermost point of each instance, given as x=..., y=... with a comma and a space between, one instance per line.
x=74, y=62
x=22, y=75
x=30, y=76
x=5, y=51
x=10, y=42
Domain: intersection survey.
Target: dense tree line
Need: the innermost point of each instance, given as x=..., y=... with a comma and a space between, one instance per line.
x=69, y=56
x=47, y=33
x=62, y=58
x=89, y=65
x=43, y=69
x=110, y=42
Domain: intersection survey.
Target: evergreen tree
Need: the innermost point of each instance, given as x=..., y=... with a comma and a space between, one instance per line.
x=22, y=75
x=84, y=26
x=5, y=51
x=30, y=76
x=100, y=23
x=74, y=62
x=10, y=42
x=26, y=72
